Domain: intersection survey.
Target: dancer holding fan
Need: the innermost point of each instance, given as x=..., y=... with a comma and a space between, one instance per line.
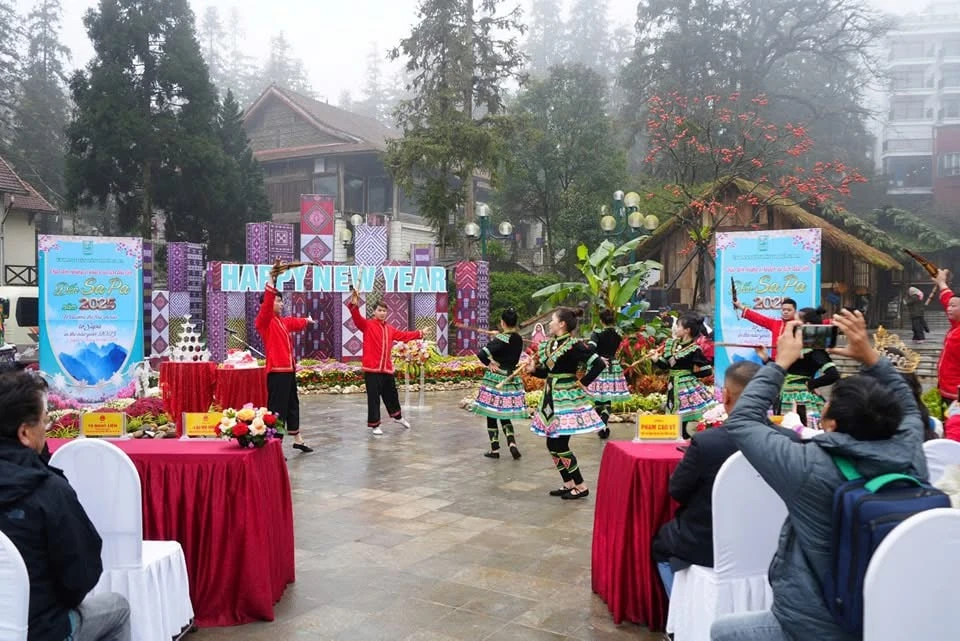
x=610, y=386
x=502, y=398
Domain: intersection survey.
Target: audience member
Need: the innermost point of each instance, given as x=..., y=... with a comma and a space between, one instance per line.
x=41, y=514
x=873, y=420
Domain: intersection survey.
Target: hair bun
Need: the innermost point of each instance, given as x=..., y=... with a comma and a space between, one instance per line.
x=578, y=312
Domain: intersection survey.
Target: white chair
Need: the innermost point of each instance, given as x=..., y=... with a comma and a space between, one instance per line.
x=152, y=575
x=909, y=591
x=747, y=518
x=14, y=592
x=940, y=453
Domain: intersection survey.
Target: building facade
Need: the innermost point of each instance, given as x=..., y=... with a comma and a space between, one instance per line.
x=22, y=210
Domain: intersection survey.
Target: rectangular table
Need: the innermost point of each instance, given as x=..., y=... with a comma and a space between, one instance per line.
x=632, y=503
x=231, y=510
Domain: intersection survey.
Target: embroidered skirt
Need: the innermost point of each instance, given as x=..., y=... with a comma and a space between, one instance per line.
x=687, y=396
x=610, y=386
x=795, y=392
x=508, y=402
x=565, y=409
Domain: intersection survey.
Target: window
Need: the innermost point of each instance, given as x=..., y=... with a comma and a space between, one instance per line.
x=27, y=315
x=379, y=194
x=950, y=164
x=909, y=171
x=325, y=184
x=951, y=77
x=906, y=50
x=908, y=145
x=353, y=194
x=951, y=108
x=906, y=109
x=908, y=79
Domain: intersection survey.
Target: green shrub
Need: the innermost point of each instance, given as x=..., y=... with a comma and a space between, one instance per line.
x=515, y=289
x=931, y=398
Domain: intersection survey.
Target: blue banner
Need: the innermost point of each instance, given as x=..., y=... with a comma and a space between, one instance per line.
x=766, y=266
x=91, y=314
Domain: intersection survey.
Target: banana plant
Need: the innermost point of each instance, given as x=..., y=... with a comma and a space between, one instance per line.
x=612, y=279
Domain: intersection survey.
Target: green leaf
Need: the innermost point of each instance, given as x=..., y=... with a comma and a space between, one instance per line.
x=629, y=289
x=582, y=252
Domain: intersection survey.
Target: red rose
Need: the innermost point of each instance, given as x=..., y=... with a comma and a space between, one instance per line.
x=241, y=429
x=269, y=419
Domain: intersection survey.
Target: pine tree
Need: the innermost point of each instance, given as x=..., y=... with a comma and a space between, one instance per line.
x=285, y=70
x=376, y=103
x=10, y=39
x=240, y=73
x=544, y=44
x=43, y=108
x=588, y=38
x=212, y=37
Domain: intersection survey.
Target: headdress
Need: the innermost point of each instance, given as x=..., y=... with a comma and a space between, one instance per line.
x=891, y=347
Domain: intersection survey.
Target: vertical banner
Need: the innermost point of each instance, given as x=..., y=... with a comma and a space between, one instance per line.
x=766, y=266
x=91, y=314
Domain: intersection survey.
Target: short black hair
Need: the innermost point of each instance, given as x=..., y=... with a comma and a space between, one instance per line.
x=509, y=317
x=279, y=295
x=788, y=301
x=21, y=397
x=607, y=316
x=864, y=409
x=812, y=316
x=381, y=303
x=740, y=373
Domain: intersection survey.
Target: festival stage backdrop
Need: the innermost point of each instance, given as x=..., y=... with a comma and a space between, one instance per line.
x=91, y=314
x=767, y=266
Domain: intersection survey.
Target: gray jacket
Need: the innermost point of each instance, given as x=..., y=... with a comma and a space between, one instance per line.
x=805, y=477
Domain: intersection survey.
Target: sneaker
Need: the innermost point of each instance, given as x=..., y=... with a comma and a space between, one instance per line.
x=404, y=422
x=377, y=431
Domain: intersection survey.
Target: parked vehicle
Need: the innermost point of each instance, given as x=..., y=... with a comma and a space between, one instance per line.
x=21, y=321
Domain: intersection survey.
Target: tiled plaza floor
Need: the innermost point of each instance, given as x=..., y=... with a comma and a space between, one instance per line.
x=415, y=536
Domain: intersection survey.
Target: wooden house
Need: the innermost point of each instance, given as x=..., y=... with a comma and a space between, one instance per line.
x=22, y=209
x=852, y=272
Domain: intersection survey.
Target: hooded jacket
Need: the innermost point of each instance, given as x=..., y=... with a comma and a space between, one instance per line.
x=805, y=477
x=41, y=514
x=275, y=332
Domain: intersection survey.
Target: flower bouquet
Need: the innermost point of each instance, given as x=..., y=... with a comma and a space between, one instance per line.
x=713, y=417
x=252, y=427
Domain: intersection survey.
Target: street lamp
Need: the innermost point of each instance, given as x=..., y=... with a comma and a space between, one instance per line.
x=625, y=213
x=482, y=231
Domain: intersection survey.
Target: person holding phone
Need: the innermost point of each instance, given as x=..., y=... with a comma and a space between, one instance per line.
x=814, y=369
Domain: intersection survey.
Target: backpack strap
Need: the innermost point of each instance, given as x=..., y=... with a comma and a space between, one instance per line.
x=846, y=468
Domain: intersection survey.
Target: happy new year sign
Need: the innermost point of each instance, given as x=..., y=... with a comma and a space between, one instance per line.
x=337, y=278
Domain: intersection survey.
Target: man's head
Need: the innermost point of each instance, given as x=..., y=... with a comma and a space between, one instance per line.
x=953, y=309
x=277, y=303
x=863, y=408
x=23, y=397
x=380, y=311
x=788, y=309
x=735, y=380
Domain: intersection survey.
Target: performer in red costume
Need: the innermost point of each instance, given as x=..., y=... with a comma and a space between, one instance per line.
x=948, y=368
x=788, y=312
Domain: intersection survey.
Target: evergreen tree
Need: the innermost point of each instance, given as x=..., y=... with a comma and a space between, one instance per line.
x=588, y=38
x=212, y=38
x=458, y=57
x=10, y=38
x=144, y=127
x=544, y=43
x=240, y=73
x=42, y=110
x=376, y=101
x=285, y=70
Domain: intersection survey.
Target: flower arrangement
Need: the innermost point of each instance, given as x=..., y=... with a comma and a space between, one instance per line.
x=439, y=369
x=415, y=351
x=252, y=427
x=713, y=417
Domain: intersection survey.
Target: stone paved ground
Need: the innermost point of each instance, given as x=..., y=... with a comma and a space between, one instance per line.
x=415, y=536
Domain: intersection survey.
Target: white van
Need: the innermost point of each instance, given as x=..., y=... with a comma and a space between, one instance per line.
x=21, y=321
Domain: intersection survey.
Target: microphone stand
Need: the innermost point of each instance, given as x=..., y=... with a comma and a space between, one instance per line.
x=236, y=336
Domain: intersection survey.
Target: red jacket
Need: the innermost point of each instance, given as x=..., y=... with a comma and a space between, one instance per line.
x=948, y=369
x=378, y=340
x=775, y=326
x=275, y=332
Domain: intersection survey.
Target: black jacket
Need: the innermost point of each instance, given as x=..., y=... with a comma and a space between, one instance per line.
x=606, y=342
x=41, y=514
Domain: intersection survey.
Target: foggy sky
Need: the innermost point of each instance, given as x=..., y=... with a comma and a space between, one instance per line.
x=333, y=38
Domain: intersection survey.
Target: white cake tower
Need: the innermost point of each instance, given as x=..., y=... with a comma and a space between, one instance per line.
x=189, y=348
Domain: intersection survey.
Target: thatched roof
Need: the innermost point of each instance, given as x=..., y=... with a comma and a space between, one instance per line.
x=832, y=235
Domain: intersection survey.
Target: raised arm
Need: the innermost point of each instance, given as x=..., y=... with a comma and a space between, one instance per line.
x=762, y=320
x=357, y=317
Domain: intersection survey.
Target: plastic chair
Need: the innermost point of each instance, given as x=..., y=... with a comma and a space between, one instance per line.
x=940, y=453
x=909, y=591
x=14, y=592
x=152, y=575
x=747, y=519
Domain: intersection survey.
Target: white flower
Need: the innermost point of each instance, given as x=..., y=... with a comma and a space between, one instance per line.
x=258, y=427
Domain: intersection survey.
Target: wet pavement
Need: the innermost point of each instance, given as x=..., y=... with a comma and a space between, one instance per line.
x=416, y=536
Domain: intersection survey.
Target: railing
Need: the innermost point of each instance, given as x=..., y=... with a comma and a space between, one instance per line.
x=20, y=275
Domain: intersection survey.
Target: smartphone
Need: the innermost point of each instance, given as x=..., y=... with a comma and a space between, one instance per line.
x=819, y=336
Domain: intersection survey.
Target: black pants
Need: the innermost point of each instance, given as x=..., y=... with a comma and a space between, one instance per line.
x=494, y=433
x=564, y=459
x=381, y=386
x=920, y=326
x=283, y=401
x=603, y=408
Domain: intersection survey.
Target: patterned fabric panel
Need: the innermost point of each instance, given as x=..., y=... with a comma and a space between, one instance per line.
x=316, y=214
x=159, y=322
x=147, y=296
x=216, y=325
x=252, y=300
x=443, y=343
x=179, y=304
x=370, y=245
x=177, y=267
x=258, y=248
x=351, y=340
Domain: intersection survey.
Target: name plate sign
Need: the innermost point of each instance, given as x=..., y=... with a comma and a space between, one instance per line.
x=201, y=424
x=658, y=427
x=103, y=424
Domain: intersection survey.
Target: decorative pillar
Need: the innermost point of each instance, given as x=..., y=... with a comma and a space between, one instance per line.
x=473, y=303
x=147, y=298
x=265, y=243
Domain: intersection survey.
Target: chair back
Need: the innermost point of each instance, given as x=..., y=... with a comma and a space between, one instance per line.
x=747, y=518
x=909, y=591
x=940, y=453
x=108, y=486
x=14, y=592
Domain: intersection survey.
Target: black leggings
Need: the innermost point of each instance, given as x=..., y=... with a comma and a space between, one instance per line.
x=283, y=401
x=603, y=408
x=494, y=433
x=564, y=459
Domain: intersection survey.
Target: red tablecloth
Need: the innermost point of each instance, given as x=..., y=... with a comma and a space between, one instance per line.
x=186, y=387
x=237, y=387
x=632, y=503
x=231, y=510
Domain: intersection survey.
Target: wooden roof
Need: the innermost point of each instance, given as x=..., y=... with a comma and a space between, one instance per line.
x=832, y=235
x=26, y=198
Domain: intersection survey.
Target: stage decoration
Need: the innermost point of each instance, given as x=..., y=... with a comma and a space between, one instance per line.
x=189, y=346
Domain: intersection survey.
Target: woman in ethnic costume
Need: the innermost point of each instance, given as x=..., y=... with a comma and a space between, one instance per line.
x=565, y=408
x=687, y=396
x=509, y=401
x=814, y=370
x=610, y=386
